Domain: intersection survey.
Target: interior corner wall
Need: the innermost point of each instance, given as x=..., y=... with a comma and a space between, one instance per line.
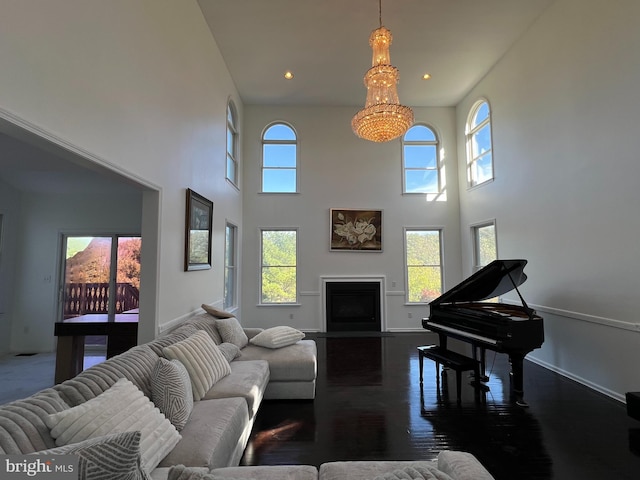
x=339, y=170
x=565, y=111
x=142, y=87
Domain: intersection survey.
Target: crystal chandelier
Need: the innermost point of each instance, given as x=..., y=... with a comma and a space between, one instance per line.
x=383, y=118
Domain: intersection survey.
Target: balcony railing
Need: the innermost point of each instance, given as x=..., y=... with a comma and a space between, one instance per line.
x=92, y=298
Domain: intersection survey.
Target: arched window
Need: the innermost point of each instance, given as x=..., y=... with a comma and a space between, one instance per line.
x=279, y=159
x=479, y=151
x=420, y=161
x=232, y=144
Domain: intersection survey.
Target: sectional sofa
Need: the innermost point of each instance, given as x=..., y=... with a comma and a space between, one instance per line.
x=182, y=407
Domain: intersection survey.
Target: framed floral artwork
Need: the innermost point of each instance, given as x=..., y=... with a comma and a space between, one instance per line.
x=355, y=230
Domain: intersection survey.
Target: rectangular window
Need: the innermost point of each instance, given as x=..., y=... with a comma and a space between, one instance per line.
x=230, y=266
x=232, y=147
x=279, y=260
x=484, y=244
x=279, y=168
x=423, y=260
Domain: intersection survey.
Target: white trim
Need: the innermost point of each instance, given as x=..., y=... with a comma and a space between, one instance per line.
x=577, y=378
x=609, y=322
x=380, y=279
x=49, y=137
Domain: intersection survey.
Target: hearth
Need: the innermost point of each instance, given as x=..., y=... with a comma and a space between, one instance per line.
x=353, y=307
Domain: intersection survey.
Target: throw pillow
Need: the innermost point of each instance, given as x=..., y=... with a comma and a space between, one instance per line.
x=277, y=337
x=121, y=408
x=28, y=415
x=206, y=322
x=231, y=331
x=215, y=312
x=202, y=359
x=115, y=456
x=171, y=391
x=229, y=350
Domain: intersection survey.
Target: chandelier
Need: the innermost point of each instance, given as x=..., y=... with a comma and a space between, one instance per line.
x=382, y=118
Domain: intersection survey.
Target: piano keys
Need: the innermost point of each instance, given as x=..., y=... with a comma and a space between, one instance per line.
x=515, y=330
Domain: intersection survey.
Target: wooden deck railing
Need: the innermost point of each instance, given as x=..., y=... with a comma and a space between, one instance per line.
x=88, y=298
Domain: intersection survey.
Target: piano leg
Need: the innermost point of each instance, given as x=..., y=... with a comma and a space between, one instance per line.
x=483, y=377
x=517, y=378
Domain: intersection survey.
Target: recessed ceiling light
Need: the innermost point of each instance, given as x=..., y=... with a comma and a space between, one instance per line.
x=288, y=75
x=426, y=76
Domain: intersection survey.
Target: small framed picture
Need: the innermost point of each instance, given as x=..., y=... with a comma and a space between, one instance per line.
x=355, y=230
x=198, y=232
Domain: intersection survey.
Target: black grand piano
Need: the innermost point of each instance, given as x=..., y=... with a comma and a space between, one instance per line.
x=511, y=329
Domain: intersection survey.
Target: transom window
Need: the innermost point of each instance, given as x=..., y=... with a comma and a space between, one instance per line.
x=232, y=145
x=279, y=265
x=420, y=160
x=230, y=266
x=484, y=244
x=423, y=260
x=279, y=159
x=479, y=150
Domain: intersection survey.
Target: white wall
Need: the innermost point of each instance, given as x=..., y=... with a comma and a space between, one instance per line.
x=10, y=210
x=339, y=170
x=141, y=87
x=565, y=112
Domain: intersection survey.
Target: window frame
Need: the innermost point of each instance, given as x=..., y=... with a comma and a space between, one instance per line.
x=427, y=143
x=296, y=168
x=261, y=232
x=470, y=133
x=440, y=231
x=232, y=150
x=230, y=301
x=475, y=238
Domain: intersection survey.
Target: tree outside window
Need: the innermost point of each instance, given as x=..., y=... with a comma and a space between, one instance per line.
x=423, y=264
x=279, y=266
x=485, y=245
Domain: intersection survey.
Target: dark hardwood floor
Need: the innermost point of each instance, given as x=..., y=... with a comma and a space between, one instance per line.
x=369, y=406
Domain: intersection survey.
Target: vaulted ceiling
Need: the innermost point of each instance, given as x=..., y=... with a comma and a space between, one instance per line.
x=325, y=45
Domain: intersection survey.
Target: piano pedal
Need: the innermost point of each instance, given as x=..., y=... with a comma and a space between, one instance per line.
x=480, y=386
x=483, y=378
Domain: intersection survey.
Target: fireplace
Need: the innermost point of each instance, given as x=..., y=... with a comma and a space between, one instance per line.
x=353, y=306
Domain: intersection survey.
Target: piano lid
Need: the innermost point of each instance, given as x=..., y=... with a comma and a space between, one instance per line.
x=497, y=278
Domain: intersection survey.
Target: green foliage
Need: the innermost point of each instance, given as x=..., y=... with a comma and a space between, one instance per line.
x=424, y=265
x=279, y=266
x=486, y=245
x=199, y=246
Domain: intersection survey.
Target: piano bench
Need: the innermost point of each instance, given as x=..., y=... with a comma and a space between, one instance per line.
x=453, y=360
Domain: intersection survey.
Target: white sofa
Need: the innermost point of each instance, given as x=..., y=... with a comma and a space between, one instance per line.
x=124, y=397
x=219, y=424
